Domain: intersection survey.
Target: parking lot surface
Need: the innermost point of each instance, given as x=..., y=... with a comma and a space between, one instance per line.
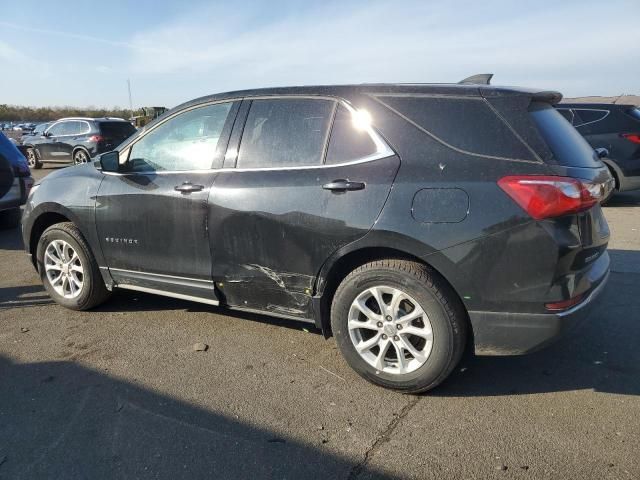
x=120, y=392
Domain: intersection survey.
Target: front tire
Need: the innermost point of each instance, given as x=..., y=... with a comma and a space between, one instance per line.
x=32, y=159
x=68, y=269
x=399, y=325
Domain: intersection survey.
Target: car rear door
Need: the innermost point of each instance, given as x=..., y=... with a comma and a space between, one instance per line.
x=152, y=216
x=296, y=187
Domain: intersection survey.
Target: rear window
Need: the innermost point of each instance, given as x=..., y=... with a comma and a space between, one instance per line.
x=568, y=146
x=467, y=124
x=635, y=113
x=117, y=129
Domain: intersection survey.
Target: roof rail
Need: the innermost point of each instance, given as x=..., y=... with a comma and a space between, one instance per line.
x=479, y=79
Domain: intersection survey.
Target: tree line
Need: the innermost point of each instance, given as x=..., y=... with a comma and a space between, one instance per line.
x=18, y=113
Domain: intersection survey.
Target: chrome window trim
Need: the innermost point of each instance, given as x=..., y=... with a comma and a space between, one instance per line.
x=70, y=120
x=383, y=148
x=606, y=114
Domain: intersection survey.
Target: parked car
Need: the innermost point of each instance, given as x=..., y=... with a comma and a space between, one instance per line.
x=406, y=220
x=76, y=140
x=615, y=128
x=15, y=182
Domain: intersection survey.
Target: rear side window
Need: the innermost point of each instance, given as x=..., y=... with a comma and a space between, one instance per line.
x=117, y=129
x=567, y=114
x=568, y=146
x=285, y=133
x=468, y=124
x=347, y=142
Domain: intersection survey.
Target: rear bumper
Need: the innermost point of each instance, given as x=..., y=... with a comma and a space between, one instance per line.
x=502, y=333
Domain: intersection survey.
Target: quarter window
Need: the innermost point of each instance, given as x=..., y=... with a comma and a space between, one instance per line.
x=590, y=116
x=348, y=142
x=187, y=141
x=285, y=132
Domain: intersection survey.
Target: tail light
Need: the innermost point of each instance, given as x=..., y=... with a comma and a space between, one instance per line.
x=564, y=304
x=632, y=137
x=550, y=196
x=96, y=138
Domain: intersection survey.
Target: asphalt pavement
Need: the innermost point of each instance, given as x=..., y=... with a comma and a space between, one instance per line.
x=120, y=392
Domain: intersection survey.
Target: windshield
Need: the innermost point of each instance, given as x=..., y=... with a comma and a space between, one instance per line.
x=568, y=146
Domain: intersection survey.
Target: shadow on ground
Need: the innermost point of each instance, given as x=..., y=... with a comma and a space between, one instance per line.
x=66, y=421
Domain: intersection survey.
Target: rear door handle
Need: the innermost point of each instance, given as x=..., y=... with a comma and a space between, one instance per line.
x=343, y=185
x=188, y=187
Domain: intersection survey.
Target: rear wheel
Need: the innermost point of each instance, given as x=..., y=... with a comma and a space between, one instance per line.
x=68, y=269
x=80, y=156
x=32, y=159
x=399, y=325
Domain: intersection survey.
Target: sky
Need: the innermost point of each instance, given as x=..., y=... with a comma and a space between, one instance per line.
x=81, y=53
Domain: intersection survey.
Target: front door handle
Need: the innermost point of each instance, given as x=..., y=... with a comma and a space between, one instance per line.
x=188, y=187
x=343, y=185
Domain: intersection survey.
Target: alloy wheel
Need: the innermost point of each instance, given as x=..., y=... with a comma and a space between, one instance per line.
x=32, y=160
x=80, y=157
x=64, y=269
x=390, y=330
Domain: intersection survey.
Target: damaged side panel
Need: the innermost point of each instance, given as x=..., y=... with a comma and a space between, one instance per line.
x=271, y=230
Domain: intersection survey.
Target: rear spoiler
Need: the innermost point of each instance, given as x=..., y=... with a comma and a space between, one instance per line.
x=548, y=96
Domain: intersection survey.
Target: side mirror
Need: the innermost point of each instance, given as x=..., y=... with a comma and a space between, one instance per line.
x=110, y=161
x=602, y=152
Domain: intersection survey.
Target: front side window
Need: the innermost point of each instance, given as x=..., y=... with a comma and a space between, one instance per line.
x=285, y=133
x=57, y=129
x=187, y=141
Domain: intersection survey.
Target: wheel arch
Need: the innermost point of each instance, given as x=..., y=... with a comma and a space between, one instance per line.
x=341, y=264
x=616, y=171
x=80, y=147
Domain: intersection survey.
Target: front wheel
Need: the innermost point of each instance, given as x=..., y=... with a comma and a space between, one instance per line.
x=399, y=325
x=32, y=159
x=68, y=269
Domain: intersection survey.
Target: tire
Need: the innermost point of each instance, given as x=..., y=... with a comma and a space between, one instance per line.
x=10, y=218
x=417, y=284
x=32, y=159
x=92, y=290
x=80, y=156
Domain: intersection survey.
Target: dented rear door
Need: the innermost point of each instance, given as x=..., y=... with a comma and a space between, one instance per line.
x=272, y=227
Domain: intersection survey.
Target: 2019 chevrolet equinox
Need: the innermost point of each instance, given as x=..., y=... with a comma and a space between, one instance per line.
x=407, y=220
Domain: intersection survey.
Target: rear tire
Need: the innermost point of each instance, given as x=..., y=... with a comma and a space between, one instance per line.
x=408, y=354
x=80, y=156
x=68, y=269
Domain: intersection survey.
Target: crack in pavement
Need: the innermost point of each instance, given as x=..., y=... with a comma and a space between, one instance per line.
x=382, y=439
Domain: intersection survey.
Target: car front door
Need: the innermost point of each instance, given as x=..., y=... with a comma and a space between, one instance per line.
x=293, y=198
x=152, y=216
x=48, y=145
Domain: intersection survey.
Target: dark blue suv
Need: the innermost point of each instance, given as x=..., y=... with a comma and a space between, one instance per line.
x=15, y=182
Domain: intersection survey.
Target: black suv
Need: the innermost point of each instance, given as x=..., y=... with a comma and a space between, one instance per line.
x=406, y=220
x=75, y=140
x=615, y=128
